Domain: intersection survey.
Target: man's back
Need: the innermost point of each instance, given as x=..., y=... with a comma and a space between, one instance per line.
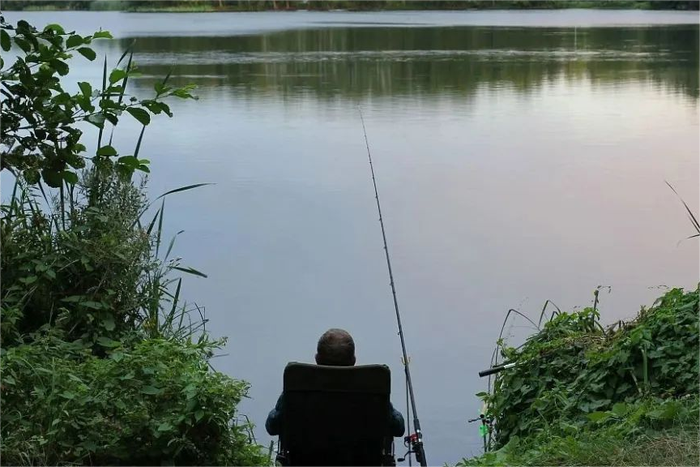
x=333, y=415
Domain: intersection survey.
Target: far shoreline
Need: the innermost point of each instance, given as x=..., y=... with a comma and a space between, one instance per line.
x=620, y=5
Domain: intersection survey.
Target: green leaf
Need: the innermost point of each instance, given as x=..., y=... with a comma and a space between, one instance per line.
x=198, y=415
x=184, y=92
x=107, y=151
x=117, y=357
x=60, y=66
x=74, y=41
x=182, y=188
x=57, y=28
x=116, y=75
x=165, y=426
x=5, y=41
x=189, y=270
x=97, y=119
x=68, y=395
x=140, y=115
x=102, y=35
x=108, y=323
x=70, y=177
x=111, y=117
x=130, y=161
x=28, y=280
x=598, y=416
x=107, y=342
x=620, y=409
x=90, y=445
x=23, y=44
x=85, y=88
x=151, y=390
x=92, y=305
x=88, y=53
x=52, y=178
x=73, y=298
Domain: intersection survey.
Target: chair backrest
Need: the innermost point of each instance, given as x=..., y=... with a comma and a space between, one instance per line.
x=336, y=415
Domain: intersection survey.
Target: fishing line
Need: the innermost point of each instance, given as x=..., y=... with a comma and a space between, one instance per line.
x=415, y=439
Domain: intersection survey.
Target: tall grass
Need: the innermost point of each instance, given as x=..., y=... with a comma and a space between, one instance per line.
x=103, y=362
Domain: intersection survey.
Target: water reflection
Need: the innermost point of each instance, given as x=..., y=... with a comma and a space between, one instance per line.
x=515, y=164
x=352, y=63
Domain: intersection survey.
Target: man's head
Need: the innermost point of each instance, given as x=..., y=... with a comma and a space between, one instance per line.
x=335, y=347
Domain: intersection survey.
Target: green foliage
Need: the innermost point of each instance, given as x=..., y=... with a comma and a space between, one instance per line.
x=46, y=5
x=578, y=390
x=84, y=275
x=147, y=402
x=107, y=5
x=213, y=5
x=574, y=366
x=39, y=137
x=101, y=362
x=650, y=432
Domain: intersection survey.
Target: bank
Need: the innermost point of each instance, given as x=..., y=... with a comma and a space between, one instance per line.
x=581, y=393
x=353, y=5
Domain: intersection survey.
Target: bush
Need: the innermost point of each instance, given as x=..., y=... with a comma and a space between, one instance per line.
x=581, y=394
x=148, y=402
x=101, y=363
x=84, y=277
x=574, y=366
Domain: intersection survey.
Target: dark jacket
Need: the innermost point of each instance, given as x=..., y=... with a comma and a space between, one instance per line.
x=273, y=424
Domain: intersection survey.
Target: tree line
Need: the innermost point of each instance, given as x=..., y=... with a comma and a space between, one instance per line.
x=257, y=5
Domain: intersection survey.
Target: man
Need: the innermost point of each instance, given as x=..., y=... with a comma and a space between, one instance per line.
x=335, y=348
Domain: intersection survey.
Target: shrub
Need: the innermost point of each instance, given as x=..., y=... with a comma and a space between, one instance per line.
x=581, y=394
x=574, y=366
x=148, y=402
x=101, y=363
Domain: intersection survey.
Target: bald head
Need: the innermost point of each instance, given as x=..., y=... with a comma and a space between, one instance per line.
x=335, y=347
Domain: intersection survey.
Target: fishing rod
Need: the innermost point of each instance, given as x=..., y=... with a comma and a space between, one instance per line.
x=496, y=369
x=415, y=439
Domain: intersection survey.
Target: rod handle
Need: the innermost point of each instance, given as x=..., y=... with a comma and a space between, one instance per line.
x=495, y=369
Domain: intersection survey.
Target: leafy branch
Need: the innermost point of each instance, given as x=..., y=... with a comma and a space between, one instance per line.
x=39, y=137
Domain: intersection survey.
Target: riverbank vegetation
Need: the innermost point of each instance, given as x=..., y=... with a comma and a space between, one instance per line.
x=102, y=361
x=584, y=394
x=260, y=5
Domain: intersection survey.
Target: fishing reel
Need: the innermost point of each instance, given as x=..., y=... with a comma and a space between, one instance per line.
x=414, y=443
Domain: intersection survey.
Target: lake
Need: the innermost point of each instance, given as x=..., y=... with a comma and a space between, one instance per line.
x=520, y=157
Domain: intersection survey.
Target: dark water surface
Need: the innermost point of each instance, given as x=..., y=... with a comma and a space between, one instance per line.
x=521, y=156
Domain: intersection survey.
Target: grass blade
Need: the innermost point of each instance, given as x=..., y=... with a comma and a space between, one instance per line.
x=159, y=232
x=176, y=299
x=544, y=308
x=104, y=87
x=129, y=50
x=693, y=220
x=172, y=243
x=152, y=223
x=138, y=143
x=182, y=188
x=189, y=270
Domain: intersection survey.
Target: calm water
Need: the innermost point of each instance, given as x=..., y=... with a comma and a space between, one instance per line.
x=521, y=156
